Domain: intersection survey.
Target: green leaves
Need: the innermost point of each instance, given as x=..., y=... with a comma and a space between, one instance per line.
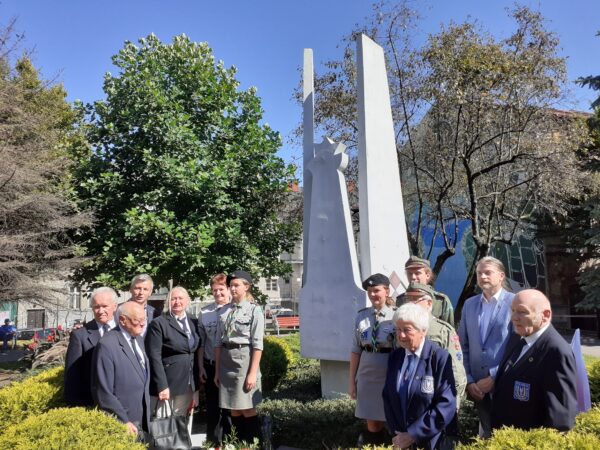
x=183, y=175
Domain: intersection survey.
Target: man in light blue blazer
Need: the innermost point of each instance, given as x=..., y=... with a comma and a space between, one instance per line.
x=485, y=327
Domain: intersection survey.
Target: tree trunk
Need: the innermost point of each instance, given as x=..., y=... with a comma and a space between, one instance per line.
x=441, y=260
x=471, y=281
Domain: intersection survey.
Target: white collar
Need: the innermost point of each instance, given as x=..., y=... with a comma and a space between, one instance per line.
x=535, y=336
x=418, y=351
x=494, y=298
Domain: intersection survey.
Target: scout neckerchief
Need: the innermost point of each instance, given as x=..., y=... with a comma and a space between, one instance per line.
x=374, y=331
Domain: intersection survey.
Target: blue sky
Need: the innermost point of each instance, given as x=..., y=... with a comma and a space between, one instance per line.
x=73, y=40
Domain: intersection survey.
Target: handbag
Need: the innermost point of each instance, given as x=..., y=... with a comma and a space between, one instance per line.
x=169, y=432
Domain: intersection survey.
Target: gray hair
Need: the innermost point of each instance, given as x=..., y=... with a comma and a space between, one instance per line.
x=141, y=278
x=409, y=312
x=490, y=260
x=102, y=290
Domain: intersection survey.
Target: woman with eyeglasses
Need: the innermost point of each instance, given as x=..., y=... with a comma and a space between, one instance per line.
x=419, y=395
x=238, y=350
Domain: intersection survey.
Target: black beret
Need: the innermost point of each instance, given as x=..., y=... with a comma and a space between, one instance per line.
x=377, y=279
x=239, y=274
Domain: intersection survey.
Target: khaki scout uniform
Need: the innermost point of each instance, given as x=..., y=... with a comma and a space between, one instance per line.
x=240, y=329
x=442, y=308
x=444, y=335
x=373, y=340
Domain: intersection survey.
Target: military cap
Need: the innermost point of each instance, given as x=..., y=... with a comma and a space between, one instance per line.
x=376, y=279
x=415, y=261
x=239, y=274
x=420, y=289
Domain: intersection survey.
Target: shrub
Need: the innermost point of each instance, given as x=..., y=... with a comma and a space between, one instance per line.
x=274, y=362
x=468, y=421
x=69, y=428
x=31, y=397
x=593, y=370
x=536, y=439
x=313, y=425
x=302, y=382
x=588, y=422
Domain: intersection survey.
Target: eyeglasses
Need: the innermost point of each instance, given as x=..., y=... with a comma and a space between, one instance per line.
x=136, y=322
x=406, y=330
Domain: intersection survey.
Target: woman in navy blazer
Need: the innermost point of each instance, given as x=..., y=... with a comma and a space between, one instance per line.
x=419, y=395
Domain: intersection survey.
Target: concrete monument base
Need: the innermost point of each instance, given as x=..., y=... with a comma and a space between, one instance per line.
x=334, y=378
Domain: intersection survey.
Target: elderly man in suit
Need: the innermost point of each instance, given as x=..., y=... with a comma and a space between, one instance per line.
x=171, y=344
x=81, y=347
x=120, y=378
x=536, y=382
x=484, y=330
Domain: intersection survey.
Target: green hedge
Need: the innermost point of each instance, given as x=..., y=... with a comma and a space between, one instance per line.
x=588, y=422
x=593, y=370
x=69, y=428
x=274, y=362
x=31, y=397
x=313, y=425
x=537, y=439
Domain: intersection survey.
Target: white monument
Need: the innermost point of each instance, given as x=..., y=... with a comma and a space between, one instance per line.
x=383, y=238
x=330, y=294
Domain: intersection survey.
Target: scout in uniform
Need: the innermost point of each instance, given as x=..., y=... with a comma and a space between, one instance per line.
x=418, y=270
x=218, y=420
x=238, y=350
x=373, y=342
x=441, y=333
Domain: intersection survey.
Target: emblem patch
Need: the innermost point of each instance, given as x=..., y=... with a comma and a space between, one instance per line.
x=364, y=335
x=521, y=391
x=427, y=385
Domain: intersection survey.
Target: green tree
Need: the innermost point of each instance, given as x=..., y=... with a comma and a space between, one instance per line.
x=477, y=136
x=181, y=173
x=37, y=214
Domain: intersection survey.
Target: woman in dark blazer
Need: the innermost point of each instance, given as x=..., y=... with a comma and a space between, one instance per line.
x=419, y=395
x=171, y=343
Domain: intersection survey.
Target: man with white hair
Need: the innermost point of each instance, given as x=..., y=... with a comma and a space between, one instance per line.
x=536, y=381
x=81, y=347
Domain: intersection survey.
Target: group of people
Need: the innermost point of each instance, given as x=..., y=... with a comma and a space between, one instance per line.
x=8, y=333
x=409, y=368
x=137, y=363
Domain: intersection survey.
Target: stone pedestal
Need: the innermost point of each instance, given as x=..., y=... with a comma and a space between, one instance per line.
x=334, y=378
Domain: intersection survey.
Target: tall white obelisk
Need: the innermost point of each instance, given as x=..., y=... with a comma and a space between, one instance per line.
x=383, y=238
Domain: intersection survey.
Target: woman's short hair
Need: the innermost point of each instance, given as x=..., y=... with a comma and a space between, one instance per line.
x=219, y=278
x=409, y=312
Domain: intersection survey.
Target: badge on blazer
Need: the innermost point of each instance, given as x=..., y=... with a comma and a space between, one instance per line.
x=427, y=385
x=521, y=391
x=364, y=335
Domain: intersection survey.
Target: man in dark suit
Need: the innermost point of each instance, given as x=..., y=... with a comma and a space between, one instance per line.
x=171, y=344
x=120, y=378
x=484, y=330
x=81, y=347
x=536, y=382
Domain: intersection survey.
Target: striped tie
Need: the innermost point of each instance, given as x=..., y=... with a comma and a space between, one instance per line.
x=374, y=333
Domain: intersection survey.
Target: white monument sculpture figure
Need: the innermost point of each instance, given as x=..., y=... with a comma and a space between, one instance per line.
x=383, y=239
x=330, y=294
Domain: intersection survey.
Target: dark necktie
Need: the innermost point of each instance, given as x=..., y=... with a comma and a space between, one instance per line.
x=374, y=333
x=514, y=356
x=186, y=330
x=139, y=357
x=406, y=377
x=106, y=328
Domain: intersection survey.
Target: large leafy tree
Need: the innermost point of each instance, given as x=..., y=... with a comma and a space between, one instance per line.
x=181, y=172
x=478, y=138
x=37, y=214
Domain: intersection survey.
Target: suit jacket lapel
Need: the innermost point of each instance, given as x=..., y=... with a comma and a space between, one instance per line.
x=93, y=335
x=173, y=323
x=419, y=372
x=529, y=356
x=132, y=358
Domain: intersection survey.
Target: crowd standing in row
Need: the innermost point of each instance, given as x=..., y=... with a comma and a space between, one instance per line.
x=408, y=366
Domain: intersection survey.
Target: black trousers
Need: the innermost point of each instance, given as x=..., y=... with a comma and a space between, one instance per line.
x=218, y=421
